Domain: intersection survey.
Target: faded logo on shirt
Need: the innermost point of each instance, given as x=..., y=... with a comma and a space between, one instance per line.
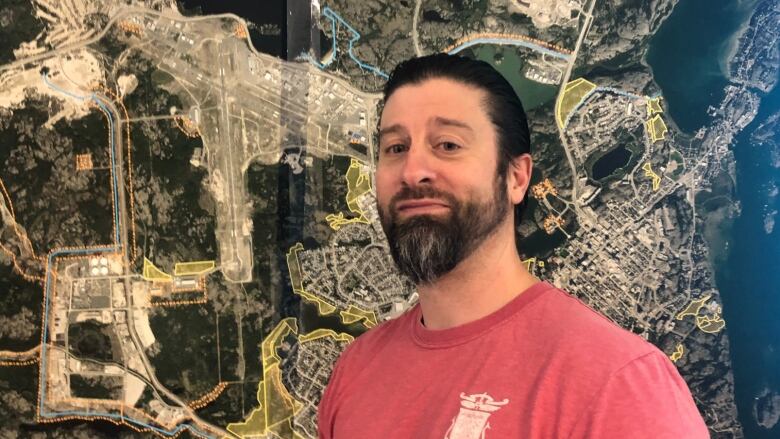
x=471, y=422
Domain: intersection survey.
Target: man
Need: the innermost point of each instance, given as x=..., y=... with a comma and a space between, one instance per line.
x=489, y=351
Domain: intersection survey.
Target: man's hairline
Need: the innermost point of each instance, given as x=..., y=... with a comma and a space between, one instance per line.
x=485, y=104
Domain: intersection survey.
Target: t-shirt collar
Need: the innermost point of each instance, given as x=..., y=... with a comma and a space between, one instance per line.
x=442, y=338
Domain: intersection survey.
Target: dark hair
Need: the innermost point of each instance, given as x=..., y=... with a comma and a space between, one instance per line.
x=504, y=108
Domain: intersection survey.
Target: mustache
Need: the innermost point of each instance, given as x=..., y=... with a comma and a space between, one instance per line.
x=409, y=193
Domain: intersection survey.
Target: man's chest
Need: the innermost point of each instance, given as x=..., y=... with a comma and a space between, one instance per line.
x=471, y=395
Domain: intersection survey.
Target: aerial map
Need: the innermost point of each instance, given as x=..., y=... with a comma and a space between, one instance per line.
x=188, y=228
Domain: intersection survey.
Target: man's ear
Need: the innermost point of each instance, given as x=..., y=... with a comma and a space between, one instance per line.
x=519, y=177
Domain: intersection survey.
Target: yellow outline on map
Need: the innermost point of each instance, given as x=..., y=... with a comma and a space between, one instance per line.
x=573, y=93
x=656, y=128
x=358, y=184
x=154, y=274
x=277, y=407
x=648, y=168
x=679, y=350
x=693, y=308
x=296, y=280
x=654, y=106
x=354, y=314
x=322, y=333
x=530, y=261
x=708, y=324
x=193, y=268
x=351, y=315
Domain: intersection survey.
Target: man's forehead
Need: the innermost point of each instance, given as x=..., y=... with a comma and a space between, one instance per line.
x=441, y=87
x=432, y=121
x=434, y=102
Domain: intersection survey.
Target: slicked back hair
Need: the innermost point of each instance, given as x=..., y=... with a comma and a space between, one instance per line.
x=502, y=104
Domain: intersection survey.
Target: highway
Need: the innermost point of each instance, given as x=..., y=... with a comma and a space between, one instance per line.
x=564, y=80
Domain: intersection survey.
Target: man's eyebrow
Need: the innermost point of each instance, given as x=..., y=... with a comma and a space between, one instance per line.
x=392, y=129
x=451, y=122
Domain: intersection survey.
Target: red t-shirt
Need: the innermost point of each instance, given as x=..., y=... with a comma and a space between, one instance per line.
x=543, y=366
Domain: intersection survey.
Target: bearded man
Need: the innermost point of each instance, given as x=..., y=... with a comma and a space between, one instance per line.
x=489, y=351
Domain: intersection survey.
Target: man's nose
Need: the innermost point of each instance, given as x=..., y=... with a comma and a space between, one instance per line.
x=418, y=165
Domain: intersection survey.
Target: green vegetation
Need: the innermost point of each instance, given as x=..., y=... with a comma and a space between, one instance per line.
x=20, y=311
x=262, y=188
x=227, y=407
x=56, y=204
x=96, y=386
x=93, y=340
x=19, y=387
x=149, y=98
x=18, y=25
x=326, y=179
x=160, y=78
x=174, y=212
x=111, y=46
x=187, y=349
x=676, y=158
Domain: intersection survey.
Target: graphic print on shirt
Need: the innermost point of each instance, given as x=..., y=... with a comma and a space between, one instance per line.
x=471, y=422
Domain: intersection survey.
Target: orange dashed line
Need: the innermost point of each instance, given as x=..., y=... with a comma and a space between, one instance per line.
x=105, y=418
x=18, y=363
x=468, y=38
x=8, y=199
x=128, y=146
x=23, y=237
x=201, y=287
x=208, y=397
x=101, y=248
x=186, y=126
x=180, y=302
x=18, y=268
x=111, y=180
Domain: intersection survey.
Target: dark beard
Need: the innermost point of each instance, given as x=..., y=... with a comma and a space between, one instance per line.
x=425, y=247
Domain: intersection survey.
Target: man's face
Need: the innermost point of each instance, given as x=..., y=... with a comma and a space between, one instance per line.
x=438, y=192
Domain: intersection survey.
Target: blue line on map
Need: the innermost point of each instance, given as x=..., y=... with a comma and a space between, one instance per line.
x=85, y=251
x=335, y=19
x=509, y=42
x=597, y=89
x=112, y=150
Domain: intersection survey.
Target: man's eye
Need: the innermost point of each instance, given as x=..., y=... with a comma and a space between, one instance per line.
x=395, y=149
x=449, y=146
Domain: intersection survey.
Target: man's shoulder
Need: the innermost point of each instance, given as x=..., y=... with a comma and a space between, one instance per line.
x=384, y=335
x=573, y=328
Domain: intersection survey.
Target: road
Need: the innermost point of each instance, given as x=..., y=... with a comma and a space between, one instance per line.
x=123, y=245
x=564, y=80
x=415, y=34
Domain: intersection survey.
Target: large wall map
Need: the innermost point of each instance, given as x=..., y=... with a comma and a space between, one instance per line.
x=188, y=228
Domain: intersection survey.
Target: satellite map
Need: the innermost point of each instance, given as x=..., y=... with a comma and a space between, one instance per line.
x=188, y=229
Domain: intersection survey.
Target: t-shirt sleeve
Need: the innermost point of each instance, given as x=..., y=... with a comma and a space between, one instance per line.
x=646, y=398
x=326, y=408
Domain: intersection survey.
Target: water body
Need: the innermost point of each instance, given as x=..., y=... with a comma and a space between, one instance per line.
x=749, y=278
x=267, y=20
x=531, y=93
x=611, y=162
x=692, y=77
x=688, y=56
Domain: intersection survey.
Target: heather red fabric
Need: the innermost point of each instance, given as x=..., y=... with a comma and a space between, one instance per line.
x=543, y=366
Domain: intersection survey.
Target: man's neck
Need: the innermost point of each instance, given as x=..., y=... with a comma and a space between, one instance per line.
x=481, y=284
